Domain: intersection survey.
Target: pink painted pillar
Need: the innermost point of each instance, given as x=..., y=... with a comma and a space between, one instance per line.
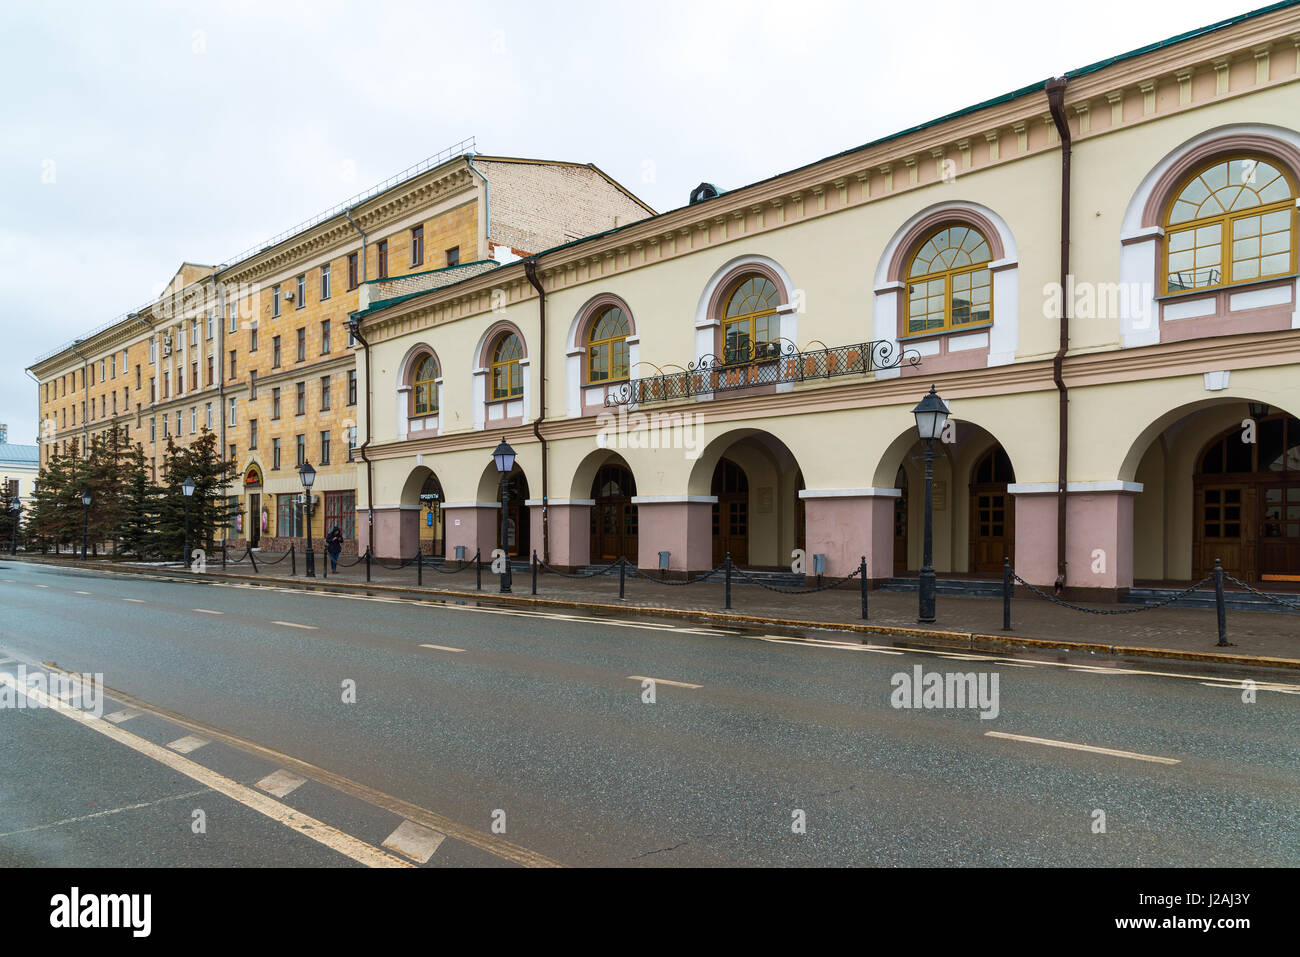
x=844, y=527
x=1099, y=539
x=472, y=524
x=570, y=522
x=1035, y=550
x=682, y=525
x=397, y=532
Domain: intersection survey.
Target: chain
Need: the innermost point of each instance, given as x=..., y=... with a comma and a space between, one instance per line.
x=797, y=591
x=637, y=573
x=599, y=571
x=1263, y=594
x=442, y=569
x=1111, y=611
x=278, y=560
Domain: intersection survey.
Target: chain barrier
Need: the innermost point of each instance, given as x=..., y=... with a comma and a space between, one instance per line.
x=1263, y=594
x=442, y=569
x=637, y=573
x=278, y=560
x=599, y=571
x=397, y=568
x=1113, y=611
x=797, y=591
x=360, y=558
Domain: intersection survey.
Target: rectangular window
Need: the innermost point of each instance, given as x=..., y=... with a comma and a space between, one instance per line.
x=325, y=281
x=137, y=377
x=211, y=364
x=153, y=430
x=275, y=403
x=103, y=370
x=231, y=419
x=302, y=345
x=301, y=405
x=453, y=256
x=324, y=393
x=252, y=433
x=212, y=324
x=288, y=519
x=194, y=332
x=207, y=414
x=123, y=362
x=153, y=389
x=324, y=448
x=352, y=440
x=153, y=350
x=252, y=337
x=383, y=259
x=232, y=364
x=194, y=419
x=232, y=314
x=275, y=352
x=194, y=376
x=301, y=444
x=233, y=456
x=178, y=423
x=167, y=384
x=352, y=387
x=341, y=513
x=275, y=453
x=325, y=338
x=252, y=383
x=275, y=300
x=417, y=246
x=301, y=292
x=353, y=279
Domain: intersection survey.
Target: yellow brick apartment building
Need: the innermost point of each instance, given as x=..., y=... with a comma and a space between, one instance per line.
x=258, y=351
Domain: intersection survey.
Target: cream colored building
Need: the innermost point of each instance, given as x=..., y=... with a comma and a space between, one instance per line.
x=737, y=376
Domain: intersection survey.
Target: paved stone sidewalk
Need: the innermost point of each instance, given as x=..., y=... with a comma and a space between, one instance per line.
x=1270, y=634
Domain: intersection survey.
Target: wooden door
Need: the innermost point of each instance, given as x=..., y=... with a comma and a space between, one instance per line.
x=992, y=514
x=730, y=513
x=1279, y=531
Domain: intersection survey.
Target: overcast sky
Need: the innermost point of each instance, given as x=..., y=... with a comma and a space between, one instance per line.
x=191, y=131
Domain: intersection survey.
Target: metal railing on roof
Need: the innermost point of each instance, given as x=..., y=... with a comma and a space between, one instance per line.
x=437, y=159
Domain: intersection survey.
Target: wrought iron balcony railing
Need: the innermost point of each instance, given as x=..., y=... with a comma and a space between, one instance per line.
x=759, y=364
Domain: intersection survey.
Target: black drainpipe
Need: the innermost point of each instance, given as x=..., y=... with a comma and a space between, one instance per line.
x=1056, y=102
x=530, y=270
x=354, y=326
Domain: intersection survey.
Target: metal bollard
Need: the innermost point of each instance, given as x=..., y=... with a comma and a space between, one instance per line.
x=419, y=567
x=534, y=571
x=253, y=558
x=478, y=569
x=293, y=560
x=325, y=562
x=1219, y=605
x=862, y=572
x=367, y=561
x=622, y=573
x=728, y=581
x=223, y=555
x=1006, y=593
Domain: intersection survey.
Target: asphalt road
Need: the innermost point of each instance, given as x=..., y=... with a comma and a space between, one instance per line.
x=526, y=739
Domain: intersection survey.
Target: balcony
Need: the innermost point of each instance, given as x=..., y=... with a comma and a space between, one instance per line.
x=762, y=364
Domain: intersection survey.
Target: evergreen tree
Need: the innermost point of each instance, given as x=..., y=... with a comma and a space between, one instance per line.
x=56, y=512
x=135, y=532
x=8, y=517
x=210, y=509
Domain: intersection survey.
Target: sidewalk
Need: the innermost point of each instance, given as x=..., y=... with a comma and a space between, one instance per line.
x=1183, y=631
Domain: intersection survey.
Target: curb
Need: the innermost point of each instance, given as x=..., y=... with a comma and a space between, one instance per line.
x=969, y=640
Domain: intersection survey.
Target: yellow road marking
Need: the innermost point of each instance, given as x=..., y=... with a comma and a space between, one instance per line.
x=1082, y=747
x=442, y=648
x=307, y=826
x=663, y=681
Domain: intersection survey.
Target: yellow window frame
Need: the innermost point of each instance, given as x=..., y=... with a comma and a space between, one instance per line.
x=510, y=366
x=947, y=275
x=428, y=387
x=608, y=343
x=1225, y=222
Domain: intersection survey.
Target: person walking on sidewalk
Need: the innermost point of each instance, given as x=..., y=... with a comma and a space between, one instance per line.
x=334, y=544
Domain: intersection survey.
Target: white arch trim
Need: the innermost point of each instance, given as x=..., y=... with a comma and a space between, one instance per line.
x=705, y=324
x=1004, y=335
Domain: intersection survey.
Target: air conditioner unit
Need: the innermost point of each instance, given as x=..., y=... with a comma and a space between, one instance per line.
x=289, y=295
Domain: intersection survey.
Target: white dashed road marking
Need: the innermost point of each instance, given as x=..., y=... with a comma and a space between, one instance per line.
x=442, y=648
x=294, y=624
x=1082, y=747
x=414, y=841
x=138, y=601
x=281, y=783
x=205, y=611
x=126, y=714
x=191, y=742
x=663, y=681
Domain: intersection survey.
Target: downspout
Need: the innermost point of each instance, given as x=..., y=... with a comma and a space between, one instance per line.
x=85, y=402
x=354, y=326
x=1056, y=103
x=530, y=270
x=153, y=460
x=219, y=361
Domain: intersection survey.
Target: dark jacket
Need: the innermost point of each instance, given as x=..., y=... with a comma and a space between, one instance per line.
x=334, y=541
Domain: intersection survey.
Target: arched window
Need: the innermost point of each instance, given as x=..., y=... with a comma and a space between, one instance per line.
x=949, y=285
x=1232, y=221
x=507, y=374
x=607, y=350
x=750, y=321
x=426, y=388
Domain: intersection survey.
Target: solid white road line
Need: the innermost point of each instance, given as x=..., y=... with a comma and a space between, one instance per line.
x=191, y=742
x=281, y=783
x=1136, y=756
x=442, y=648
x=294, y=624
x=307, y=826
x=414, y=841
x=663, y=681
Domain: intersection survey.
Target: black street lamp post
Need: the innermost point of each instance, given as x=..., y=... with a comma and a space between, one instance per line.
x=504, y=457
x=931, y=416
x=308, y=475
x=187, y=490
x=17, y=508
x=85, y=522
